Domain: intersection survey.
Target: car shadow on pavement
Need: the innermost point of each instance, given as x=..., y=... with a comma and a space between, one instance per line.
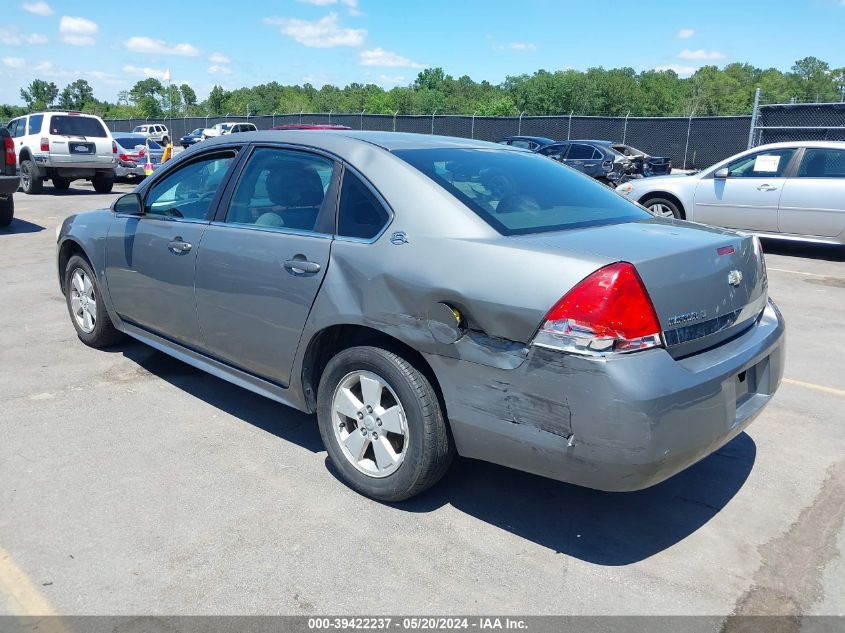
x=275, y=418
x=598, y=527
x=828, y=252
x=604, y=528
x=21, y=226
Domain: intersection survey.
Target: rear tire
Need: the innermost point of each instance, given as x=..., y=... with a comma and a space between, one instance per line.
x=62, y=184
x=7, y=211
x=31, y=182
x=665, y=208
x=103, y=184
x=93, y=325
x=414, y=447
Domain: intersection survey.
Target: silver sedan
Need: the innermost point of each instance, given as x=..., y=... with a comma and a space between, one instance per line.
x=791, y=191
x=428, y=296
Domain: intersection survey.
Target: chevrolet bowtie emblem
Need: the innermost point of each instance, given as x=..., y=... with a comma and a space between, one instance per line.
x=734, y=278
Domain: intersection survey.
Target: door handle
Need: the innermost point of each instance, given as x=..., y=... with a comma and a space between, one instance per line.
x=766, y=188
x=301, y=266
x=178, y=246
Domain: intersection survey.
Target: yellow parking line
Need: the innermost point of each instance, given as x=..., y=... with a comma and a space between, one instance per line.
x=810, y=385
x=795, y=272
x=21, y=598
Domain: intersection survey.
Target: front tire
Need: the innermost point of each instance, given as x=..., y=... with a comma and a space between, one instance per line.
x=31, y=182
x=382, y=425
x=85, y=304
x=7, y=211
x=664, y=208
x=103, y=184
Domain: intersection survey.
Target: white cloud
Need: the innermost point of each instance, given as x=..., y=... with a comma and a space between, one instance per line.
x=219, y=58
x=11, y=38
x=137, y=71
x=681, y=70
x=36, y=38
x=45, y=67
x=352, y=6
x=14, y=62
x=388, y=80
x=38, y=8
x=219, y=70
x=381, y=57
x=323, y=33
x=685, y=34
x=700, y=54
x=149, y=46
x=517, y=46
x=77, y=31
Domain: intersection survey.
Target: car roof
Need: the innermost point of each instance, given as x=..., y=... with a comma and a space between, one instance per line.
x=342, y=141
x=541, y=139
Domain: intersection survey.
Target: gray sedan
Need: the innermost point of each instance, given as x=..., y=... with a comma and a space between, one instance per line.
x=793, y=191
x=429, y=296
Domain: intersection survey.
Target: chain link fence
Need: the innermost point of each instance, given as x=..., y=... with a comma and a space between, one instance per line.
x=688, y=141
x=780, y=122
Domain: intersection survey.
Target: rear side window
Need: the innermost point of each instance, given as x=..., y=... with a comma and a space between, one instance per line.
x=12, y=127
x=519, y=193
x=35, y=122
x=64, y=125
x=580, y=152
x=522, y=144
x=360, y=214
x=822, y=163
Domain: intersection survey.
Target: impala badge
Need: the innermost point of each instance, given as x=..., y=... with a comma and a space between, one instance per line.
x=734, y=278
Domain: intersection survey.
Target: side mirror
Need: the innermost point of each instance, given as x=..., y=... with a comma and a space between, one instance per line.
x=128, y=204
x=721, y=174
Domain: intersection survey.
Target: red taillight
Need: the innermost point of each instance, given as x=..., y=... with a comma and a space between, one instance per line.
x=9, y=146
x=123, y=157
x=113, y=147
x=45, y=144
x=608, y=311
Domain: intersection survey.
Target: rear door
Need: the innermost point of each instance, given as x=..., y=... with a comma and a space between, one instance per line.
x=150, y=259
x=262, y=261
x=580, y=157
x=749, y=197
x=813, y=200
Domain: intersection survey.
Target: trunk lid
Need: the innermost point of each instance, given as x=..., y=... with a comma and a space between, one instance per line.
x=706, y=284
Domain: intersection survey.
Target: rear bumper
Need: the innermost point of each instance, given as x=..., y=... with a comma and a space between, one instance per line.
x=620, y=424
x=9, y=184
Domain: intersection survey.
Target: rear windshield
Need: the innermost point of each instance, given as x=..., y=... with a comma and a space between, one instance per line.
x=518, y=193
x=131, y=142
x=77, y=126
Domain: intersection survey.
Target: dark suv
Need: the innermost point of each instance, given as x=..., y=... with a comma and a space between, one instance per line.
x=9, y=179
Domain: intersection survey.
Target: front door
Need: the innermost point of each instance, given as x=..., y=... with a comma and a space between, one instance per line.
x=150, y=259
x=749, y=197
x=261, y=264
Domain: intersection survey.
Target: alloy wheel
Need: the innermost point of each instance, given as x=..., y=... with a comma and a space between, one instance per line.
x=369, y=423
x=661, y=209
x=83, y=302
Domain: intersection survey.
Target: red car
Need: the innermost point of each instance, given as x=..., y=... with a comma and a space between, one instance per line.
x=310, y=126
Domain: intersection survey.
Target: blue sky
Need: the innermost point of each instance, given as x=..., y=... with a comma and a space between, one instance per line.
x=113, y=45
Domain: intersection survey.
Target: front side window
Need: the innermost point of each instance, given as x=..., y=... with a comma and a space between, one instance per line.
x=769, y=164
x=360, y=214
x=822, y=163
x=518, y=193
x=69, y=125
x=189, y=191
x=282, y=189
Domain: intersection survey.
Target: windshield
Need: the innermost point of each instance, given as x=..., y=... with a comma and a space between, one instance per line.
x=518, y=193
x=196, y=132
x=77, y=126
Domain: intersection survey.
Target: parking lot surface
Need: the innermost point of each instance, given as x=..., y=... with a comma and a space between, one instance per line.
x=131, y=483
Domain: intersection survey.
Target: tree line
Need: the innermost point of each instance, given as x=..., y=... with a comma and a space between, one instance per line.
x=598, y=91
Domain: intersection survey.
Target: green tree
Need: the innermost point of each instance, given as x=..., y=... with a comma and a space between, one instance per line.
x=189, y=97
x=214, y=103
x=39, y=95
x=77, y=95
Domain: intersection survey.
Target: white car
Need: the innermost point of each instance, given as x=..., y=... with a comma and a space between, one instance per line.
x=63, y=147
x=792, y=191
x=154, y=131
x=228, y=127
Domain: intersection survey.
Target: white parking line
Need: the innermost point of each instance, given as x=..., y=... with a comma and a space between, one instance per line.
x=795, y=272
